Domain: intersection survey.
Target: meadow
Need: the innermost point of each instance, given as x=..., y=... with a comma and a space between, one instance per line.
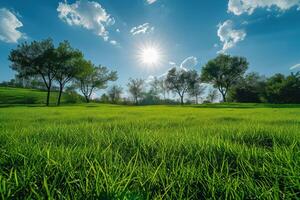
x=229, y=151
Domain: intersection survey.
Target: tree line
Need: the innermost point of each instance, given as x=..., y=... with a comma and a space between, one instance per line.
x=43, y=65
x=62, y=65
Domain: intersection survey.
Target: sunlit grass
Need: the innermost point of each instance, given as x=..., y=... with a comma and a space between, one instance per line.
x=153, y=152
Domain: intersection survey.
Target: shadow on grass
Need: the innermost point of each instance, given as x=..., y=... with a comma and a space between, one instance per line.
x=262, y=140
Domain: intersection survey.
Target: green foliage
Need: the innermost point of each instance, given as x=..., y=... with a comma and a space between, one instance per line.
x=220, y=151
x=281, y=89
x=223, y=72
x=180, y=81
x=93, y=78
x=67, y=64
x=251, y=88
x=36, y=59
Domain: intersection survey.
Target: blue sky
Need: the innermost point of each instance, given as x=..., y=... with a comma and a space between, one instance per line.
x=186, y=32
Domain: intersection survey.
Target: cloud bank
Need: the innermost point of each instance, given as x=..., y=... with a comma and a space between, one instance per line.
x=239, y=7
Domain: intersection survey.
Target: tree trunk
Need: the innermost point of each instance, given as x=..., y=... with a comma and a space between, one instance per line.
x=181, y=100
x=223, y=93
x=196, y=99
x=87, y=99
x=48, y=96
x=224, y=97
x=59, y=94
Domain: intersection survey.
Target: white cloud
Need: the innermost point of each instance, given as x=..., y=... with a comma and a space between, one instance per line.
x=229, y=36
x=151, y=1
x=239, y=7
x=172, y=63
x=113, y=42
x=189, y=63
x=9, y=24
x=144, y=28
x=295, y=66
x=87, y=14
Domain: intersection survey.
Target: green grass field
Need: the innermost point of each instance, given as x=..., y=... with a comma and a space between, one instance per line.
x=239, y=151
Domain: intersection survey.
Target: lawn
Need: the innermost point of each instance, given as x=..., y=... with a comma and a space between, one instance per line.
x=242, y=151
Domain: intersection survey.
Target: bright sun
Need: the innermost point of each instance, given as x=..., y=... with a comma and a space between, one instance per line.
x=150, y=55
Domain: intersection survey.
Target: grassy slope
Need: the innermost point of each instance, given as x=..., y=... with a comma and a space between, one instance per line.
x=26, y=96
x=162, y=152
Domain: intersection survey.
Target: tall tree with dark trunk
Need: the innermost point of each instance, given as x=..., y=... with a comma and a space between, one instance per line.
x=223, y=72
x=67, y=64
x=178, y=81
x=93, y=78
x=35, y=60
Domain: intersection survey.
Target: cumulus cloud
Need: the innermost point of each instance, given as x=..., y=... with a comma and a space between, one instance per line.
x=9, y=24
x=239, y=7
x=189, y=63
x=229, y=36
x=151, y=1
x=142, y=29
x=295, y=66
x=87, y=14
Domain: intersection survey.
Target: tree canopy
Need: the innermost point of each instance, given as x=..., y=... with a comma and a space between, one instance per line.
x=35, y=59
x=223, y=72
x=179, y=81
x=93, y=77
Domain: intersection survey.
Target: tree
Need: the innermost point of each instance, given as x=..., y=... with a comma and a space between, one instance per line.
x=92, y=78
x=250, y=89
x=195, y=89
x=114, y=93
x=163, y=87
x=212, y=95
x=282, y=89
x=274, y=87
x=67, y=64
x=35, y=59
x=104, y=98
x=136, y=87
x=155, y=87
x=223, y=72
x=158, y=86
x=179, y=82
x=291, y=89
